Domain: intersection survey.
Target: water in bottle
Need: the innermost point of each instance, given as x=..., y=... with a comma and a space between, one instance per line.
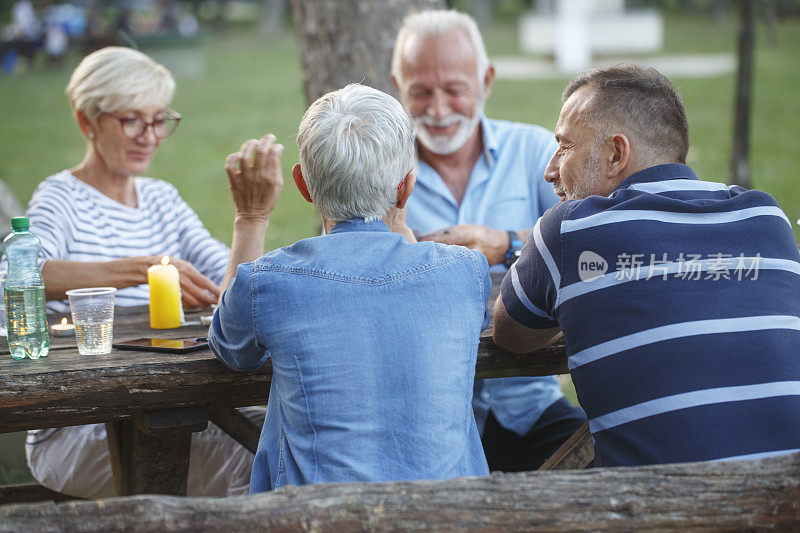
x=24, y=294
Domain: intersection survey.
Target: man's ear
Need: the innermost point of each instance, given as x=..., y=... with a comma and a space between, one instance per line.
x=488, y=81
x=619, y=157
x=404, y=189
x=394, y=80
x=297, y=174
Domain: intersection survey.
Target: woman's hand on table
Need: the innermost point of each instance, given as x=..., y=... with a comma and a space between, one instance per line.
x=196, y=289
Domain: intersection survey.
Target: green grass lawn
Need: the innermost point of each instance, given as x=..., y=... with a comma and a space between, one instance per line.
x=251, y=84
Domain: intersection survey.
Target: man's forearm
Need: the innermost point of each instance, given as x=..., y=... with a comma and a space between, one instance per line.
x=515, y=337
x=247, y=246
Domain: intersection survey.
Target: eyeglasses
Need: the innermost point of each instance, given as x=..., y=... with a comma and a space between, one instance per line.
x=163, y=127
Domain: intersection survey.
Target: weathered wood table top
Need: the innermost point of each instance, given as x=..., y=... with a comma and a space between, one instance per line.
x=66, y=388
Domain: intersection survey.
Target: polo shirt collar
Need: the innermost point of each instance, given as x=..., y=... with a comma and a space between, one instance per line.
x=669, y=171
x=489, y=141
x=358, y=224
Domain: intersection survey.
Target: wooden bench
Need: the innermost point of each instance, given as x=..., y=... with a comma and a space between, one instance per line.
x=730, y=496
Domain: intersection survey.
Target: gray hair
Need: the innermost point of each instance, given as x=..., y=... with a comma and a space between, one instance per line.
x=641, y=103
x=116, y=78
x=356, y=146
x=435, y=24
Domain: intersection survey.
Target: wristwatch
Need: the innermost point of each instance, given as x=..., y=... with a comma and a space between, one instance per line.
x=514, y=249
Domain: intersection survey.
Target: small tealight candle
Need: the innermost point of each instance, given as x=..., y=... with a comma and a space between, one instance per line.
x=65, y=329
x=165, y=295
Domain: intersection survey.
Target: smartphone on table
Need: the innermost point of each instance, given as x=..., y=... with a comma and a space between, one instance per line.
x=149, y=344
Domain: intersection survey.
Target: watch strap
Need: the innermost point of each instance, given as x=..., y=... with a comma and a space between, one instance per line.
x=514, y=248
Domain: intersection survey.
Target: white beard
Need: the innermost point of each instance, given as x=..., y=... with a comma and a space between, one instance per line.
x=443, y=144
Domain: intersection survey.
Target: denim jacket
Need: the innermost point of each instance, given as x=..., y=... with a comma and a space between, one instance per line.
x=373, y=344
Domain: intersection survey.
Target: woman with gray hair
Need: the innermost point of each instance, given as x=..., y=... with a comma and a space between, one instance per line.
x=373, y=337
x=101, y=225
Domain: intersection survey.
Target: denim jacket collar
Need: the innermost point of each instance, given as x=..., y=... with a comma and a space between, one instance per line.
x=358, y=224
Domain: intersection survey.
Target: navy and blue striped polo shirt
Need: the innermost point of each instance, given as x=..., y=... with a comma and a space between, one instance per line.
x=679, y=300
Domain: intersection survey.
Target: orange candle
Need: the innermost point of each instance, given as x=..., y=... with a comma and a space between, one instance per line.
x=165, y=295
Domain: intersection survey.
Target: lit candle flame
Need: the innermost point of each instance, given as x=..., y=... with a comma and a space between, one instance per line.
x=165, y=260
x=63, y=321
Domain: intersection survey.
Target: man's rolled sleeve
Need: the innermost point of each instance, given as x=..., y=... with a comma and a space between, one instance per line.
x=232, y=335
x=530, y=288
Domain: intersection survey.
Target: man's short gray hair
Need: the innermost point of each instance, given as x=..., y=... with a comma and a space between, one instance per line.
x=641, y=103
x=435, y=24
x=116, y=78
x=356, y=146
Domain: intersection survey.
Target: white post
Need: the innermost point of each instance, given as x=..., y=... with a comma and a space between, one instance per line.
x=573, y=42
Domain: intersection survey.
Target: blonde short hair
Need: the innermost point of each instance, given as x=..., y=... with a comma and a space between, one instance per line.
x=116, y=78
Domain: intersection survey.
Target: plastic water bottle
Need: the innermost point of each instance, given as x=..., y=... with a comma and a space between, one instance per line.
x=3, y=331
x=24, y=293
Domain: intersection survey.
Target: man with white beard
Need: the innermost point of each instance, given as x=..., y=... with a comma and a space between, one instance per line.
x=479, y=184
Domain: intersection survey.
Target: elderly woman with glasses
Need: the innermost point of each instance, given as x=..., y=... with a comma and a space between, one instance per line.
x=102, y=225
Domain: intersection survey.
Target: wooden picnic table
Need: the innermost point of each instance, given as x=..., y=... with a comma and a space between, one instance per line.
x=152, y=402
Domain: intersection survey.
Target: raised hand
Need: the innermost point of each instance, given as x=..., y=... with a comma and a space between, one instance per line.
x=254, y=174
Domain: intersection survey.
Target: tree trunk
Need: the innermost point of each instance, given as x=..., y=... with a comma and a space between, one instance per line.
x=740, y=156
x=350, y=41
x=727, y=496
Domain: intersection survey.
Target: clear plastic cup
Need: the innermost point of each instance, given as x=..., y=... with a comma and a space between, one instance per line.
x=93, y=316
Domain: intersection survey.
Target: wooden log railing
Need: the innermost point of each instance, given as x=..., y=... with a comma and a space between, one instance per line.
x=733, y=496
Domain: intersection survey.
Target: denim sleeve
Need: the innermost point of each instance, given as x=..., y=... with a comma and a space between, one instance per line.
x=483, y=272
x=232, y=335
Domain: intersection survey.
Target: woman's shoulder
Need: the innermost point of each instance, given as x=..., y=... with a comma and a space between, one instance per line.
x=59, y=179
x=59, y=185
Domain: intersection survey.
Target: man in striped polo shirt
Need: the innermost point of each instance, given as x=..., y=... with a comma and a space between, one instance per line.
x=678, y=299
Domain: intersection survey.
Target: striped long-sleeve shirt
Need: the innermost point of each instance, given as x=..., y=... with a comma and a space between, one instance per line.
x=679, y=300
x=76, y=222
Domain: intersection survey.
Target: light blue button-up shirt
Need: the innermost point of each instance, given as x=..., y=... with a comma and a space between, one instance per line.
x=373, y=344
x=506, y=191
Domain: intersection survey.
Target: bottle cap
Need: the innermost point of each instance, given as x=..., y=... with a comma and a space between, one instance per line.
x=20, y=223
